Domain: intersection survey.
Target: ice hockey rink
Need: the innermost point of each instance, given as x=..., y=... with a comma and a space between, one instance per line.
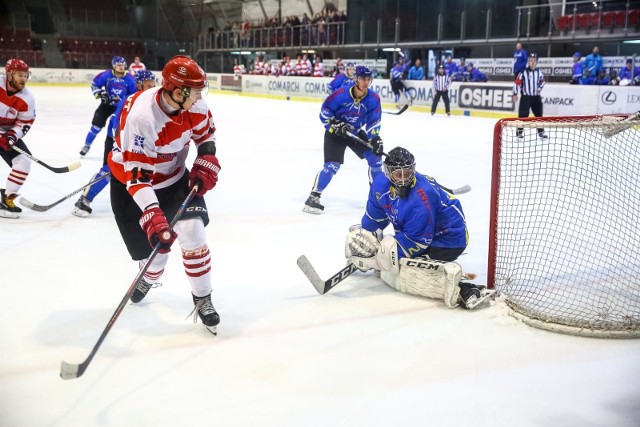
x=361, y=355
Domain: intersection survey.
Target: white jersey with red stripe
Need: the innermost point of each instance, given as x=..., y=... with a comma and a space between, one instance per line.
x=318, y=69
x=151, y=146
x=17, y=111
x=134, y=68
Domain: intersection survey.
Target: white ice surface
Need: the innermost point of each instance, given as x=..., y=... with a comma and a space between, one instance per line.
x=362, y=355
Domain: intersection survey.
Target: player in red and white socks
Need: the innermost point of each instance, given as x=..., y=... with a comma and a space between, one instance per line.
x=150, y=180
x=17, y=113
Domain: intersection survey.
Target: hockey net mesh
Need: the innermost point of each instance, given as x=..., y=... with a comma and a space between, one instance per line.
x=566, y=227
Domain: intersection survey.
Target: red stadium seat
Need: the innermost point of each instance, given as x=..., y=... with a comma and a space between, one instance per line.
x=595, y=20
x=620, y=18
x=608, y=19
x=583, y=21
x=634, y=18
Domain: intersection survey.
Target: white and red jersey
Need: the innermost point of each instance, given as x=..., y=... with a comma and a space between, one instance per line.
x=17, y=111
x=258, y=67
x=305, y=68
x=134, y=68
x=318, y=69
x=151, y=146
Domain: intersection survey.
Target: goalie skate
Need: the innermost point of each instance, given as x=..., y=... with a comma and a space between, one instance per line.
x=472, y=295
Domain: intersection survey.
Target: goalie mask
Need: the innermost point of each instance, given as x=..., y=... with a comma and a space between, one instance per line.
x=400, y=169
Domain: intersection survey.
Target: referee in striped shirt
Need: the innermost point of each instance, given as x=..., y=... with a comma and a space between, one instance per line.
x=441, y=84
x=530, y=82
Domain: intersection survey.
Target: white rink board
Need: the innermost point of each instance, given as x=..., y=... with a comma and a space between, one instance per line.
x=559, y=99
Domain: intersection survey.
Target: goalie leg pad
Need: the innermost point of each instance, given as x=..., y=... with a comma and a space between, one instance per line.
x=427, y=278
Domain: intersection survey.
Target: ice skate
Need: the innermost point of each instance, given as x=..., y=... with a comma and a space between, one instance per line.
x=82, y=208
x=207, y=313
x=312, y=205
x=542, y=135
x=472, y=295
x=85, y=150
x=8, y=208
x=141, y=290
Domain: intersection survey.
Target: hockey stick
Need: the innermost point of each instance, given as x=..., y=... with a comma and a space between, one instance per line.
x=324, y=286
x=461, y=190
x=40, y=208
x=400, y=111
x=71, y=167
x=70, y=371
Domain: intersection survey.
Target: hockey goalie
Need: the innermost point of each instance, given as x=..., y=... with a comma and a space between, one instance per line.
x=430, y=234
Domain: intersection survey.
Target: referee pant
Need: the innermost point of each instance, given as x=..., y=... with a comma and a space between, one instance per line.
x=533, y=103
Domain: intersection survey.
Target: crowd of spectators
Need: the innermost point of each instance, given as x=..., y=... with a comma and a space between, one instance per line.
x=591, y=71
x=326, y=27
x=301, y=65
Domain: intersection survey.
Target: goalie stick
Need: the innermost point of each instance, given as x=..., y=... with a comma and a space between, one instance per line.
x=400, y=111
x=71, y=167
x=43, y=208
x=70, y=371
x=324, y=286
x=461, y=190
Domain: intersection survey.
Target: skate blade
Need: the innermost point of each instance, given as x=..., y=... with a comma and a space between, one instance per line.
x=10, y=215
x=212, y=329
x=309, y=209
x=487, y=294
x=80, y=213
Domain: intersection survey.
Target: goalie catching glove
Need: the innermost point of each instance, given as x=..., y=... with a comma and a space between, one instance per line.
x=366, y=252
x=155, y=224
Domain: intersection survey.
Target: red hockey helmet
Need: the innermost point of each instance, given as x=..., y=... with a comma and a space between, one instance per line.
x=182, y=71
x=15, y=64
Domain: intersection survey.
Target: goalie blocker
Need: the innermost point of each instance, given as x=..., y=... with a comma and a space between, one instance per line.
x=415, y=276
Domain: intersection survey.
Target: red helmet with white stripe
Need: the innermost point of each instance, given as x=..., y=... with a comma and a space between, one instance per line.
x=15, y=64
x=182, y=71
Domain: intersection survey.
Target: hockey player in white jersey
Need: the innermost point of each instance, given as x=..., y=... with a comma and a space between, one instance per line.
x=17, y=114
x=150, y=180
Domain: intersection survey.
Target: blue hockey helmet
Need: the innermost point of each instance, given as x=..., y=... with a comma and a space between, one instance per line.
x=144, y=75
x=363, y=71
x=118, y=60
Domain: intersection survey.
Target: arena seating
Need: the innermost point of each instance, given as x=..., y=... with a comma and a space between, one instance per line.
x=609, y=20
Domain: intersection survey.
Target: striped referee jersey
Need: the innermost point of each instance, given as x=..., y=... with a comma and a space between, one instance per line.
x=529, y=82
x=441, y=82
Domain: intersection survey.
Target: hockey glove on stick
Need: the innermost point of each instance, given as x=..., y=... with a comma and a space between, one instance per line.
x=155, y=224
x=204, y=173
x=340, y=128
x=376, y=145
x=103, y=96
x=7, y=140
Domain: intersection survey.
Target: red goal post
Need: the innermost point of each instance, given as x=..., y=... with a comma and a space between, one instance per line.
x=564, y=236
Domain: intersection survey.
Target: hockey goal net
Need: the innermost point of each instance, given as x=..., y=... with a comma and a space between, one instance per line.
x=564, y=244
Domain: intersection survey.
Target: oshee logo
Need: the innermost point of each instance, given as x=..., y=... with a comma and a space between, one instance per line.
x=486, y=97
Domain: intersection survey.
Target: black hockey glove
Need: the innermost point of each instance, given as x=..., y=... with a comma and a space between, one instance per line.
x=104, y=97
x=376, y=145
x=340, y=128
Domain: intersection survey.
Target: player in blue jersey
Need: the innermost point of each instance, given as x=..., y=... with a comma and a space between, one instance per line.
x=110, y=87
x=356, y=109
x=430, y=233
x=145, y=79
x=397, y=76
x=345, y=79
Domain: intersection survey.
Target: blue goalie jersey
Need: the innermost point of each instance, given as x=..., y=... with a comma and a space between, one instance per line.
x=428, y=216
